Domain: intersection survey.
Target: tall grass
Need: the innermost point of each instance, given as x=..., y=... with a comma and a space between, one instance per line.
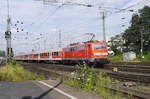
x=146, y=57
x=116, y=58
x=15, y=72
x=87, y=79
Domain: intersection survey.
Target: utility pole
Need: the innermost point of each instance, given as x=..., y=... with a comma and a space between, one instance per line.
x=60, y=38
x=142, y=42
x=103, y=18
x=9, y=53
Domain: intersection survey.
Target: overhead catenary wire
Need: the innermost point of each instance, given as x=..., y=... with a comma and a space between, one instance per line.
x=54, y=11
x=131, y=6
x=50, y=15
x=37, y=18
x=46, y=18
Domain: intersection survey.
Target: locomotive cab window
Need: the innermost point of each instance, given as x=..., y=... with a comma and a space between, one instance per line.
x=99, y=46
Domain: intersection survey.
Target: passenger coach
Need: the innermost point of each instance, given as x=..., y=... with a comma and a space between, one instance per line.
x=89, y=53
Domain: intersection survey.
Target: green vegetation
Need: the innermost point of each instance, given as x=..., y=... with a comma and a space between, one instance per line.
x=116, y=58
x=87, y=79
x=119, y=58
x=142, y=87
x=130, y=39
x=15, y=72
x=146, y=57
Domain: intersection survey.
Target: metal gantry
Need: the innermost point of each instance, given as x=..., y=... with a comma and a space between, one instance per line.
x=9, y=51
x=103, y=12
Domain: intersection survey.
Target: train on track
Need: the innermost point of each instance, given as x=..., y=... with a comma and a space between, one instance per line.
x=89, y=53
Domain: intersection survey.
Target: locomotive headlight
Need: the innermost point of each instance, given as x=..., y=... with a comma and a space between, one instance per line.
x=100, y=53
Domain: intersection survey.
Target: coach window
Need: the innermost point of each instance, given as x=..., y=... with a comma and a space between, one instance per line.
x=56, y=53
x=72, y=49
x=75, y=48
x=67, y=49
x=49, y=54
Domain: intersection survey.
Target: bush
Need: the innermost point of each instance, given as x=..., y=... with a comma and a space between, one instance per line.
x=14, y=72
x=87, y=79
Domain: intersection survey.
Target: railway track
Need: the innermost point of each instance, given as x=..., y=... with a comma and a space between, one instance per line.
x=49, y=70
x=55, y=70
x=138, y=72
x=63, y=69
x=130, y=67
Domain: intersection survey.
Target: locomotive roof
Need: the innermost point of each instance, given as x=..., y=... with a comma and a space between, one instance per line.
x=81, y=44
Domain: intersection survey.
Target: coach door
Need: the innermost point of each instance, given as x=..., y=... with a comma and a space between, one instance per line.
x=88, y=50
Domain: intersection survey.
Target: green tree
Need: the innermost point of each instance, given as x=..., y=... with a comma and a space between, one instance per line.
x=140, y=23
x=116, y=44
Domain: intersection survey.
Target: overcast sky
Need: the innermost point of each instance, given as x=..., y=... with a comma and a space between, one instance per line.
x=42, y=23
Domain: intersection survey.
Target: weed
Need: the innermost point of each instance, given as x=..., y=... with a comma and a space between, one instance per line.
x=87, y=79
x=14, y=72
x=130, y=96
x=142, y=87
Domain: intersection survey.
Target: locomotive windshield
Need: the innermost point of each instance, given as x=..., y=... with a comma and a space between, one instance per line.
x=99, y=46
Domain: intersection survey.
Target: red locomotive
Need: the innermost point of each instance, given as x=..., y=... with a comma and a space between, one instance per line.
x=90, y=53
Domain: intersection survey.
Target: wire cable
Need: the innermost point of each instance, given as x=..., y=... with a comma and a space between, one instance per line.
x=50, y=15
